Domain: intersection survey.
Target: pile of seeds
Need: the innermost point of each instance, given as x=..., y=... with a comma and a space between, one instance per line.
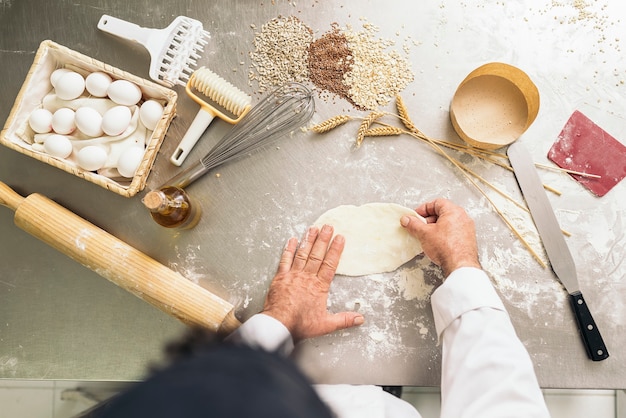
x=280, y=52
x=354, y=65
x=376, y=76
x=330, y=59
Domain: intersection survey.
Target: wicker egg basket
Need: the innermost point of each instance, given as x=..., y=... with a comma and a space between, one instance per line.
x=50, y=56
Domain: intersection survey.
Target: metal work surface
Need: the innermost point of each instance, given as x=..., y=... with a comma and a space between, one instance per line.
x=59, y=320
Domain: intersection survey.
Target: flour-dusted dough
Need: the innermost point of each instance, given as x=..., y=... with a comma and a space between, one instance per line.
x=375, y=240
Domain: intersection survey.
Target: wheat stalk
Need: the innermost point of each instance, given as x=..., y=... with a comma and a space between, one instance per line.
x=330, y=124
x=365, y=130
x=492, y=157
x=468, y=174
x=403, y=114
x=365, y=125
x=384, y=131
x=568, y=171
x=404, y=117
x=465, y=172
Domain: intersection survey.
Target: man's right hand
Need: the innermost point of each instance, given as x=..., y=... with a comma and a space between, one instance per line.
x=448, y=237
x=298, y=294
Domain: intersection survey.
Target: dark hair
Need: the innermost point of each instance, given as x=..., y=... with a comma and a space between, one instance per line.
x=207, y=377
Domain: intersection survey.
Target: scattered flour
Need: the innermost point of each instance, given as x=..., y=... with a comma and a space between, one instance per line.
x=8, y=365
x=504, y=260
x=395, y=306
x=79, y=240
x=411, y=283
x=189, y=263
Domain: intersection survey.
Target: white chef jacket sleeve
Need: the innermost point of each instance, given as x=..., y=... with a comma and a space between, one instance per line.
x=346, y=401
x=265, y=332
x=486, y=371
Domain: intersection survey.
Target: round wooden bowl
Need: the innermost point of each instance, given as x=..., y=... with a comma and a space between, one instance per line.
x=494, y=105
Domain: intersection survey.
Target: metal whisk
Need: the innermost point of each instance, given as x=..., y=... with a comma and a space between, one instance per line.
x=284, y=109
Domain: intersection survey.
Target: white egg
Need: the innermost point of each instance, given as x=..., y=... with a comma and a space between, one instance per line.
x=98, y=83
x=58, y=146
x=40, y=120
x=56, y=74
x=63, y=121
x=124, y=92
x=150, y=113
x=116, y=120
x=92, y=157
x=89, y=121
x=70, y=86
x=129, y=160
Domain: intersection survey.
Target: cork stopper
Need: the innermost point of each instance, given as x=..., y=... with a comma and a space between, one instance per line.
x=154, y=200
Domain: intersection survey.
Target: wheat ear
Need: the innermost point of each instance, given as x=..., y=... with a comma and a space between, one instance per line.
x=365, y=125
x=403, y=114
x=384, y=131
x=330, y=124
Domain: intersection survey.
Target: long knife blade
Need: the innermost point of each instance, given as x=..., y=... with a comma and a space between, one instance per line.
x=554, y=243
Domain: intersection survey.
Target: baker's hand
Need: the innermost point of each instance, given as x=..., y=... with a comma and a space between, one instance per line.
x=448, y=237
x=298, y=294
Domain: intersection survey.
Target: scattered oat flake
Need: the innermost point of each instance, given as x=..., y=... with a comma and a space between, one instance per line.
x=376, y=76
x=280, y=52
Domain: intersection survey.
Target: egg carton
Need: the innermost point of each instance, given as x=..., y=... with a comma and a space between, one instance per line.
x=50, y=56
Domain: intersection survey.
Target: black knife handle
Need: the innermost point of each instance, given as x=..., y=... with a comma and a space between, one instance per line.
x=596, y=350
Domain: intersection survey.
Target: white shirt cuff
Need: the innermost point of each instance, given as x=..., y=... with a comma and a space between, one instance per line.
x=265, y=332
x=464, y=290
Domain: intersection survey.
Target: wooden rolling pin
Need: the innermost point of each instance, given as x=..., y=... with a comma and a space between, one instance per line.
x=118, y=262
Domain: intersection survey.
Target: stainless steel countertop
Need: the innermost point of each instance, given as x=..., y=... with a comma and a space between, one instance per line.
x=62, y=321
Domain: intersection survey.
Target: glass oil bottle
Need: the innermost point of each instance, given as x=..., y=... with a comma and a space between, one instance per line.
x=171, y=207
